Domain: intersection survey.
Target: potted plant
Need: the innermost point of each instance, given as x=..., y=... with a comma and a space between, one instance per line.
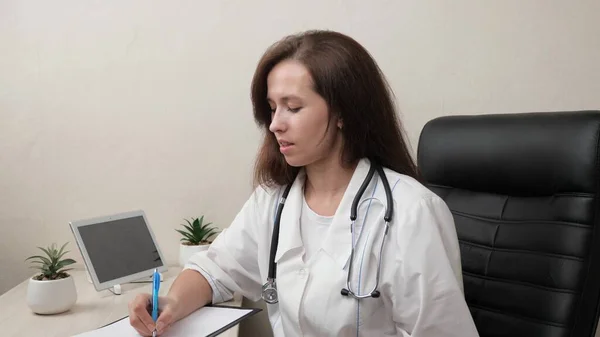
x=196, y=237
x=51, y=291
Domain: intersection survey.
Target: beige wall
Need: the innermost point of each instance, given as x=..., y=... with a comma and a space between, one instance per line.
x=108, y=106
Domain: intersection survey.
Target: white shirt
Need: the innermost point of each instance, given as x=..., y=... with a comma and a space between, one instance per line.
x=313, y=228
x=420, y=281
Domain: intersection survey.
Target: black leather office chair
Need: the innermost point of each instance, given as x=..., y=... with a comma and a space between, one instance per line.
x=524, y=192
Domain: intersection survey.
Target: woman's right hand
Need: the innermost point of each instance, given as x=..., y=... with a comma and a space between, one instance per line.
x=139, y=314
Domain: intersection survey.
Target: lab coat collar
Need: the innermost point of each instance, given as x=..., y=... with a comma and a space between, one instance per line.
x=338, y=241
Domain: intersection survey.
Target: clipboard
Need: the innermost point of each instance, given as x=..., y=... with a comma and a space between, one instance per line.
x=186, y=326
x=253, y=311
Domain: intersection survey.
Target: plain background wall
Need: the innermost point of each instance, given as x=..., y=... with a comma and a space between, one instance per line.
x=109, y=106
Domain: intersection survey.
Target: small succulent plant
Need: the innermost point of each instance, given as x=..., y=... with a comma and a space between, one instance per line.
x=52, y=265
x=196, y=232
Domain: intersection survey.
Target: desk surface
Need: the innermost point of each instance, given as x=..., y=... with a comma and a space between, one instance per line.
x=92, y=310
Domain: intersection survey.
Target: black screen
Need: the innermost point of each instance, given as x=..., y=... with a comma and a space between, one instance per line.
x=120, y=248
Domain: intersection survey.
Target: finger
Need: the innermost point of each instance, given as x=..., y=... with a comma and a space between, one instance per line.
x=140, y=310
x=134, y=320
x=164, y=320
x=139, y=326
x=164, y=329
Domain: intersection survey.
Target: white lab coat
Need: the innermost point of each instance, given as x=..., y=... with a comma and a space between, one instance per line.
x=420, y=283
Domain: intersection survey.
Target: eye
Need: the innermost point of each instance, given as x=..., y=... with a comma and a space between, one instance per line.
x=294, y=109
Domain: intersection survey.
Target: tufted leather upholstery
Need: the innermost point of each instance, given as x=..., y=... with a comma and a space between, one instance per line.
x=524, y=192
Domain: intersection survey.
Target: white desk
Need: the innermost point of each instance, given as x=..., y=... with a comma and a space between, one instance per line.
x=92, y=310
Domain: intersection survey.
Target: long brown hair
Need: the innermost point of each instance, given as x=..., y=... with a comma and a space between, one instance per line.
x=350, y=81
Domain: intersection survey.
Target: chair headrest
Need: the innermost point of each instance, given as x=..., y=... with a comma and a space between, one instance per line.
x=527, y=154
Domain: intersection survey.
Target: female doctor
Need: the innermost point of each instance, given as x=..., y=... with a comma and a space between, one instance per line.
x=339, y=236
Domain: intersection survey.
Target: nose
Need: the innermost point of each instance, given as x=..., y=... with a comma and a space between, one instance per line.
x=277, y=122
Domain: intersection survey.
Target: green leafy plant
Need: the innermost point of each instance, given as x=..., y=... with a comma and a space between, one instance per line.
x=52, y=265
x=196, y=232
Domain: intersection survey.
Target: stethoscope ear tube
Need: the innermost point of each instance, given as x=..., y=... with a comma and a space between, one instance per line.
x=387, y=217
x=388, y=195
x=361, y=190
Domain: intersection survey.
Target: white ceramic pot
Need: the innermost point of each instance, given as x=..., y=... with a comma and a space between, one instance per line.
x=52, y=296
x=186, y=251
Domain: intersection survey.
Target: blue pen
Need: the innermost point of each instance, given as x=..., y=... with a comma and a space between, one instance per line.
x=155, y=288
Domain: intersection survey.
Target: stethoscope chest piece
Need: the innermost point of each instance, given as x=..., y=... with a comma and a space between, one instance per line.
x=269, y=292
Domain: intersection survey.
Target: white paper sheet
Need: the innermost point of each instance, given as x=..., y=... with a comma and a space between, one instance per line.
x=202, y=322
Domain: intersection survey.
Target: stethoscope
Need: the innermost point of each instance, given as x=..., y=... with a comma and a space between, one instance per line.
x=269, y=289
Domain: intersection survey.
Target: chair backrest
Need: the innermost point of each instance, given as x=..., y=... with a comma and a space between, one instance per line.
x=524, y=192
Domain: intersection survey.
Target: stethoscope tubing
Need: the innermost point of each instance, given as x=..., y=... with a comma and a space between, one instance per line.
x=271, y=288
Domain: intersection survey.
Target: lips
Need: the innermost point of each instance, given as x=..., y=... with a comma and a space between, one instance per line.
x=285, y=146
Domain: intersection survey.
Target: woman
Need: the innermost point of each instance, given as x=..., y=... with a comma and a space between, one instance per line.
x=328, y=115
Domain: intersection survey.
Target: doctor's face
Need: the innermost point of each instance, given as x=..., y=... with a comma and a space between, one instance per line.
x=299, y=116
